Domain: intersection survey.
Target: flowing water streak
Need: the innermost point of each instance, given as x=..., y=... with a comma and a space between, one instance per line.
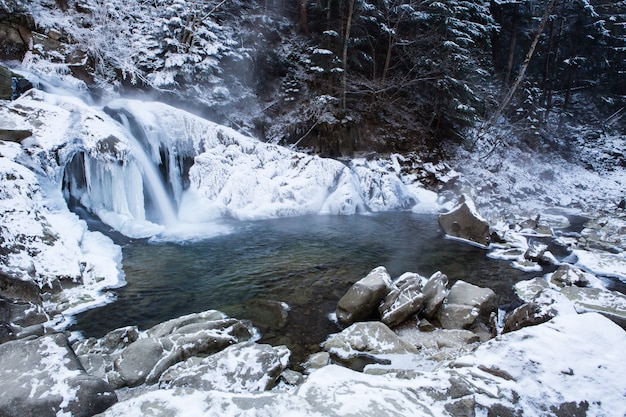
x=163, y=202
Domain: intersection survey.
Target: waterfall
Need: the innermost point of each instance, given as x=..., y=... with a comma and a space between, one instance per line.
x=163, y=203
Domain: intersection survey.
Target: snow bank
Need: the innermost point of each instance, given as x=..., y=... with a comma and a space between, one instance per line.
x=572, y=362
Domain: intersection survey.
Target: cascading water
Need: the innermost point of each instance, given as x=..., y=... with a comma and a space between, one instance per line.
x=163, y=203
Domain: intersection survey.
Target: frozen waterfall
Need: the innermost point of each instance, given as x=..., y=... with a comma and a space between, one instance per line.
x=151, y=169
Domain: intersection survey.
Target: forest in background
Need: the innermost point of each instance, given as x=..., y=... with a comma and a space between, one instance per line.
x=346, y=77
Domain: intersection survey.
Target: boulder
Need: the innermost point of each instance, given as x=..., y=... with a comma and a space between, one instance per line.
x=361, y=301
x=243, y=367
x=464, y=222
x=18, y=289
x=169, y=343
x=138, y=360
x=402, y=303
x=435, y=291
x=567, y=275
x=457, y=316
x=43, y=377
x=370, y=340
x=14, y=135
x=527, y=290
x=468, y=294
x=538, y=252
x=465, y=305
x=545, y=305
x=610, y=304
x=528, y=314
x=6, y=86
x=316, y=361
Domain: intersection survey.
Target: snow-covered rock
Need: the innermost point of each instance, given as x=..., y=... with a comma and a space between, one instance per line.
x=402, y=302
x=361, y=301
x=43, y=377
x=464, y=222
x=243, y=367
x=571, y=364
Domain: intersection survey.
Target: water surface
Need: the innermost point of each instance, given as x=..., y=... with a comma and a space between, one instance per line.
x=306, y=262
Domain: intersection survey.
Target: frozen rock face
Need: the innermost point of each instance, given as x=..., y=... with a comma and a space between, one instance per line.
x=45, y=247
x=464, y=222
x=361, y=301
x=43, y=377
x=145, y=167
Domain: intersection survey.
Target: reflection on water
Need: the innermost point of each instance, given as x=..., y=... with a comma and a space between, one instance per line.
x=307, y=262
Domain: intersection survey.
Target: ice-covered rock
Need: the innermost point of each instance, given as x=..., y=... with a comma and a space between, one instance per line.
x=43, y=377
x=464, y=222
x=243, y=367
x=46, y=245
x=361, y=301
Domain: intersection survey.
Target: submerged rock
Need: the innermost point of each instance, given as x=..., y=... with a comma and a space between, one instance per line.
x=43, y=377
x=361, y=301
x=464, y=222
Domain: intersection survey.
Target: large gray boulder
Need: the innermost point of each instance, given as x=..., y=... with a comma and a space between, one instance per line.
x=361, y=301
x=402, y=303
x=466, y=306
x=435, y=291
x=464, y=222
x=171, y=342
x=43, y=377
x=371, y=340
x=243, y=367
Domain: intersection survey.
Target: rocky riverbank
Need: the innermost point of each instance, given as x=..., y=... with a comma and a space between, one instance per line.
x=412, y=345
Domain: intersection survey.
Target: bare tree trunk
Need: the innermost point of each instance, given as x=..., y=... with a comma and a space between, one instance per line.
x=304, y=25
x=345, y=53
x=512, y=46
x=522, y=72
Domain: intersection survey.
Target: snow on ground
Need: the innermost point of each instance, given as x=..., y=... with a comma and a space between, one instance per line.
x=539, y=371
x=526, y=183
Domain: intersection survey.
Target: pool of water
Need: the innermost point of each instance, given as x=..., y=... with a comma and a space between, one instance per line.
x=306, y=262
